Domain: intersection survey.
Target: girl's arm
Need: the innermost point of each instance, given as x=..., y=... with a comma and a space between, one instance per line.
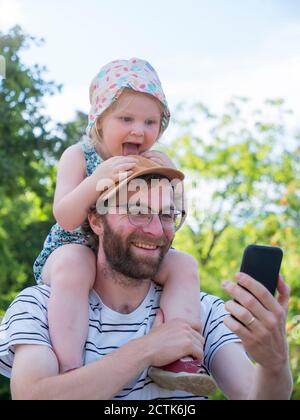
x=75, y=192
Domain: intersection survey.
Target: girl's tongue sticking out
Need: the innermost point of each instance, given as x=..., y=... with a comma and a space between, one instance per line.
x=130, y=149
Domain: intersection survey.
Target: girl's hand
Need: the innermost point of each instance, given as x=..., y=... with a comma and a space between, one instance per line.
x=159, y=157
x=113, y=170
x=173, y=340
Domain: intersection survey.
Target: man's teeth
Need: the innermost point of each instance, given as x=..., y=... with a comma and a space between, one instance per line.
x=140, y=245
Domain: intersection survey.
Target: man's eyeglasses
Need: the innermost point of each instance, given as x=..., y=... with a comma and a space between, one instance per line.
x=143, y=216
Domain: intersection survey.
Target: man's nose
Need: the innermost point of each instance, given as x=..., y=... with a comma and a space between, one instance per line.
x=154, y=227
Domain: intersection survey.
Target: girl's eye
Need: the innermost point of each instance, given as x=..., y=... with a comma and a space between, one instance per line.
x=151, y=122
x=126, y=119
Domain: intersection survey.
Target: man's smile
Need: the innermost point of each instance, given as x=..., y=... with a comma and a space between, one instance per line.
x=145, y=246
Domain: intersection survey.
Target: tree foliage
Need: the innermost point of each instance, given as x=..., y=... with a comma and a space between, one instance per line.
x=243, y=187
x=242, y=170
x=29, y=147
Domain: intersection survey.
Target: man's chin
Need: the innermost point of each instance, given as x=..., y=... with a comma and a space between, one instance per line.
x=145, y=266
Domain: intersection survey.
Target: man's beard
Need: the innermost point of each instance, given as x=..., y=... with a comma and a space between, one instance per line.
x=119, y=255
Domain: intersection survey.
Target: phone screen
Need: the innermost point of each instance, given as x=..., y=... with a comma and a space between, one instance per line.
x=263, y=264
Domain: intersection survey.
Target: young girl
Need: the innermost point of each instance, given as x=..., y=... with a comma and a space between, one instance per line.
x=128, y=114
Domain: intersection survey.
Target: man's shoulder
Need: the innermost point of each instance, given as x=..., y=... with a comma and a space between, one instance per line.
x=25, y=322
x=208, y=299
x=211, y=306
x=32, y=295
x=39, y=290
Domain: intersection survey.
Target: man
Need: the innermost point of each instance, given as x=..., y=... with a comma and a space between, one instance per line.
x=123, y=343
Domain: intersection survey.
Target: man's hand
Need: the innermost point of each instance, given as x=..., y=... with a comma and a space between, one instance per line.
x=262, y=326
x=173, y=340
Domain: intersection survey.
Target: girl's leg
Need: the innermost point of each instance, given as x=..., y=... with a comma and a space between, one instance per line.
x=70, y=271
x=181, y=299
x=181, y=295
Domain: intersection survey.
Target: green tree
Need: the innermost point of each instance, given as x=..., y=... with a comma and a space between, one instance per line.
x=243, y=187
x=242, y=179
x=27, y=159
x=29, y=148
x=27, y=168
x=30, y=145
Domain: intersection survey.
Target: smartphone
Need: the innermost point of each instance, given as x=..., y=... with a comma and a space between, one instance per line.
x=263, y=264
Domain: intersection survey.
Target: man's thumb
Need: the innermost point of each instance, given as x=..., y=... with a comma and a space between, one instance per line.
x=159, y=319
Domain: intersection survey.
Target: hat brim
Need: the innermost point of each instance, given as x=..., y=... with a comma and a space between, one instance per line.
x=170, y=173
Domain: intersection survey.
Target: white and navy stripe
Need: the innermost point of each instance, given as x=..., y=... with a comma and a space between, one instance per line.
x=26, y=322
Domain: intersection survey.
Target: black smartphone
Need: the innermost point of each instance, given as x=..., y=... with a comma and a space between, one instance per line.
x=263, y=264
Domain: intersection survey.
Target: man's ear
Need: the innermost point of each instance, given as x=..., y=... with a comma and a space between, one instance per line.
x=95, y=224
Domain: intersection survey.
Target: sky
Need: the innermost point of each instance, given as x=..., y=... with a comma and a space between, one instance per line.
x=203, y=50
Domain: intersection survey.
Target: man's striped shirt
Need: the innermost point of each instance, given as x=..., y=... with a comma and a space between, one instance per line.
x=26, y=322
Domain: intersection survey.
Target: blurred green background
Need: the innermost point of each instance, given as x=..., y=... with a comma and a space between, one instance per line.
x=243, y=183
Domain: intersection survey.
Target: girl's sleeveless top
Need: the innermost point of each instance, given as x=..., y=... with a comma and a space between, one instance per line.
x=58, y=236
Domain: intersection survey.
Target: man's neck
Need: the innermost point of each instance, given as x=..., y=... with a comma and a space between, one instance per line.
x=120, y=293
